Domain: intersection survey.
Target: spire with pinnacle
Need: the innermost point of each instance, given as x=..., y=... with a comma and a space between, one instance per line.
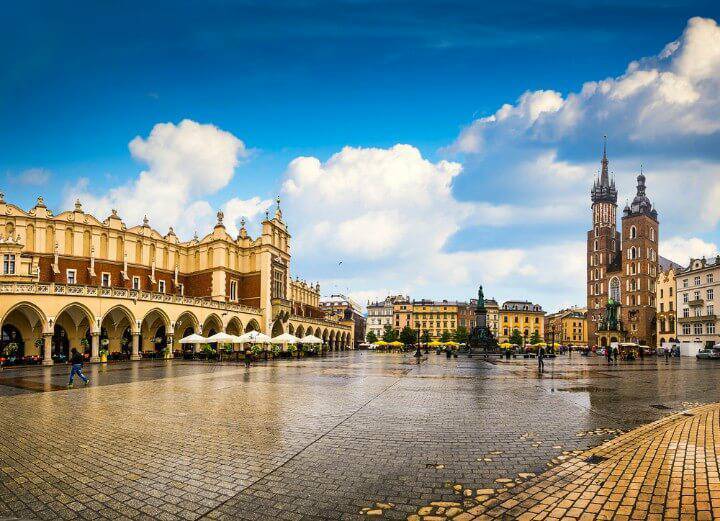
x=603, y=190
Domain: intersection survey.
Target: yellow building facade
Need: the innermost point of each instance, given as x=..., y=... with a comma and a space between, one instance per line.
x=568, y=326
x=73, y=280
x=435, y=317
x=526, y=317
x=665, y=307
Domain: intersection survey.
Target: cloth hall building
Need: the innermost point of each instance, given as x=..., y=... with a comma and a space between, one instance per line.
x=73, y=280
x=622, y=265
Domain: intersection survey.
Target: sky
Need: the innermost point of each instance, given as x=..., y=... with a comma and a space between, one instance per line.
x=417, y=147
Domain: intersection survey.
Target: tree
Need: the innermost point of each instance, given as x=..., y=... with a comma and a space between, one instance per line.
x=461, y=335
x=407, y=336
x=425, y=337
x=535, y=337
x=445, y=337
x=389, y=335
x=371, y=337
x=516, y=337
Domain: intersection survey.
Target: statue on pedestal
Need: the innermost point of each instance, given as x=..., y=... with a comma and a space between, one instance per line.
x=481, y=337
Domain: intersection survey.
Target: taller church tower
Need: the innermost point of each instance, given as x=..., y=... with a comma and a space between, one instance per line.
x=603, y=245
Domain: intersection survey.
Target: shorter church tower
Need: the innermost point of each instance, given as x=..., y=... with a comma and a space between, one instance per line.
x=640, y=267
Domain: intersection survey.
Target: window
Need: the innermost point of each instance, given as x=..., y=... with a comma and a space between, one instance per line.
x=615, y=289
x=710, y=294
x=652, y=234
x=233, y=290
x=71, y=276
x=710, y=310
x=697, y=295
x=9, y=264
x=661, y=293
x=697, y=280
x=685, y=298
x=710, y=328
x=136, y=283
x=709, y=278
x=686, y=312
x=698, y=329
x=662, y=307
x=633, y=232
x=105, y=280
x=686, y=329
x=685, y=283
x=161, y=286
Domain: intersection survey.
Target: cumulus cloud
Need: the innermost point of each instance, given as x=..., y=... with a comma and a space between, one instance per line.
x=236, y=209
x=681, y=250
x=31, y=177
x=185, y=162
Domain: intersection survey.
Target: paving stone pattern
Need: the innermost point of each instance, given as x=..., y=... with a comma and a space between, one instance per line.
x=349, y=436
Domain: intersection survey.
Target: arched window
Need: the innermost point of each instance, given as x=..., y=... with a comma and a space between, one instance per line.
x=633, y=232
x=615, y=289
x=652, y=234
x=595, y=246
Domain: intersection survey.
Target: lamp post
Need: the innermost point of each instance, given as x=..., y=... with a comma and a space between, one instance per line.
x=418, y=354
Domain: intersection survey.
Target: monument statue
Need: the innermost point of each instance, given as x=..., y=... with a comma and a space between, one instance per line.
x=481, y=337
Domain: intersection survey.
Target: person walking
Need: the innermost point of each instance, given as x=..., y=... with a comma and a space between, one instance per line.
x=77, y=360
x=608, y=354
x=541, y=359
x=616, y=349
x=667, y=355
x=248, y=357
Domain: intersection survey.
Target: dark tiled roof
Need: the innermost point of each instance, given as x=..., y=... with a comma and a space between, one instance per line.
x=666, y=264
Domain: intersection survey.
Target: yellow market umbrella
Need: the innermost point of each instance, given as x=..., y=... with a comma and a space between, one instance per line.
x=395, y=343
x=381, y=343
x=506, y=345
x=451, y=343
x=434, y=343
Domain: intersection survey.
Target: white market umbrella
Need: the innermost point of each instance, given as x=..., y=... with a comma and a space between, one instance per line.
x=285, y=338
x=222, y=338
x=254, y=337
x=310, y=339
x=193, y=339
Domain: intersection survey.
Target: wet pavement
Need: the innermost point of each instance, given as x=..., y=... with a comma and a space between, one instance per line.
x=349, y=436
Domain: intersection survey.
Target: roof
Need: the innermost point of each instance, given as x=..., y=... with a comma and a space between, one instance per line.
x=667, y=264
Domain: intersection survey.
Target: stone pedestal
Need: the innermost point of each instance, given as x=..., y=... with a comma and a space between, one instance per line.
x=95, y=347
x=47, y=349
x=135, y=353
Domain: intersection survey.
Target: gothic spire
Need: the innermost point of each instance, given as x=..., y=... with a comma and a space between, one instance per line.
x=603, y=190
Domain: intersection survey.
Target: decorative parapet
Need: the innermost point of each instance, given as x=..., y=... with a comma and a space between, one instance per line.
x=120, y=293
x=319, y=322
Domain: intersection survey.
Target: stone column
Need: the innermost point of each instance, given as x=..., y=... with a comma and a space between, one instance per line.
x=196, y=347
x=95, y=348
x=47, y=349
x=169, y=339
x=135, y=353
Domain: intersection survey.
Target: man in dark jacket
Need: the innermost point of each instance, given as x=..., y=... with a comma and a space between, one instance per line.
x=77, y=360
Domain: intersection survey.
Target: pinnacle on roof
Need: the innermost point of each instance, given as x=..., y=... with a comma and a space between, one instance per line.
x=603, y=189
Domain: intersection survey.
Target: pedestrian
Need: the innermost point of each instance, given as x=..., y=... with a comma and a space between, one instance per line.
x=615, y=353
x=77, y=360
x=667, y=355
x=248, y=357
x=608, y=354
x=541, y=359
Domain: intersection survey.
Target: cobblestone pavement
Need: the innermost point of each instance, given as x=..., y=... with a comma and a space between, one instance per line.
x=348, y=436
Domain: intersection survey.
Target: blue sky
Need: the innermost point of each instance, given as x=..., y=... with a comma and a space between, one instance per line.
x=305, y=79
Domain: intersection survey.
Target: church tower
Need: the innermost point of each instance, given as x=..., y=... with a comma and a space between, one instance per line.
x=640, y=267
x=603, y=245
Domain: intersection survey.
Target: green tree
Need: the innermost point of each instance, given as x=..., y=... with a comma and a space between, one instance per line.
x=407, y=336
x=535, y=338
x=516, y=337
x=445, y=337
x=461, y=335
x=389, y=335
x=425, y=337
x=371, y=337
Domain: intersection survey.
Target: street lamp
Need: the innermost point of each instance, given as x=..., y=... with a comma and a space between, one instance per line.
x=418, y=354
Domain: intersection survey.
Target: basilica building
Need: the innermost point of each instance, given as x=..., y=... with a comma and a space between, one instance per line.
x=73, y=280
x=622, y=265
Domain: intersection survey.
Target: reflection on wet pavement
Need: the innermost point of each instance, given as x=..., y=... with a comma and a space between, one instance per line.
x=334, y=438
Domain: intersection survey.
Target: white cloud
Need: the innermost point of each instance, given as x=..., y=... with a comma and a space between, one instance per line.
x=185, y=162
x=681, y=250
x=236, y=209
x=31, y=177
